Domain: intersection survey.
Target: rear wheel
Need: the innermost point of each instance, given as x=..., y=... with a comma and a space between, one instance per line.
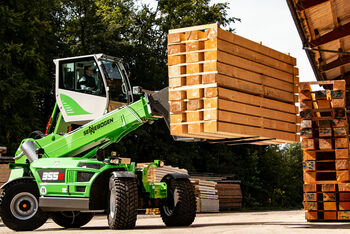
x=179, y=208
x=19, y=206
x=71, y=219
x=122, y=212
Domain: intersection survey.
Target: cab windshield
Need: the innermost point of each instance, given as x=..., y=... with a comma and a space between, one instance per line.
x=118, y=90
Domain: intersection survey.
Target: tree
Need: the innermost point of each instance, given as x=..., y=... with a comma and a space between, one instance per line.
x=28, y=44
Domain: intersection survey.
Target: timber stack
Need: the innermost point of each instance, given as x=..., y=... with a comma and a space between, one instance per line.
x=224, y=86
x=229, y=194
x=325, y=144
x=206, y=195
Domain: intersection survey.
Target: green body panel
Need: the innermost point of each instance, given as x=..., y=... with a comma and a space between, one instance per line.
x=70, y=167
x=72, y=107
x=64, y=154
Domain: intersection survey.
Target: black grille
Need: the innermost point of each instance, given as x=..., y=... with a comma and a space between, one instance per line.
x=80, y=188
x=91, y=165
x=84, y=176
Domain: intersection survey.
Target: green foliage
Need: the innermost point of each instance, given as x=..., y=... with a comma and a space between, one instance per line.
x=38, y=31
x=27, y=44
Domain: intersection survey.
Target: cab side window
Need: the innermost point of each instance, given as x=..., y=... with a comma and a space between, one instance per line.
x=81, y=76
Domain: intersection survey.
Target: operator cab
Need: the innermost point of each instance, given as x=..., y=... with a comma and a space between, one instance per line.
x=90, y=86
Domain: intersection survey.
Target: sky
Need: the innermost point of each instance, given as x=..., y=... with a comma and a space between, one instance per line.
x=269, y=22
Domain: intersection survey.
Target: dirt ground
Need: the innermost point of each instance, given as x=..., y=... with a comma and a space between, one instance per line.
x=235, y=222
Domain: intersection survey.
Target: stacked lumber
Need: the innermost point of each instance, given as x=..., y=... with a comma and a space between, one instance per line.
x=222, y=86
x=2, y=150
x=230, y=195
x=157, y=174
x=206, y=195
x=325, y=144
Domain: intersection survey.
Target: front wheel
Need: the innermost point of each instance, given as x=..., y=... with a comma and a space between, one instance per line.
x=179, y=208
x=19, y=206
x=123, y=199
x=71, y=219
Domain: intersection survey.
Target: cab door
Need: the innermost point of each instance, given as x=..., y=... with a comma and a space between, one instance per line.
x=80, y=89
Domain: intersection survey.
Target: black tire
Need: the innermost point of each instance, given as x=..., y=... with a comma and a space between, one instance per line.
x=19, y=206
x=36, y=135
x=71, y=219
x=179, y=208
x=123, y=199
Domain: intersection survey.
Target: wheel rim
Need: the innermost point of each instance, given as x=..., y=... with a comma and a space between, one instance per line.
x=24, y=206
x=112, y=198
x=172, y=200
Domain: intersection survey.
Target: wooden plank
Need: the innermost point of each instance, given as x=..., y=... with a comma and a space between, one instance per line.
x=344, y=187
x=309, y=155
x=307, y=188
x=341, y=143
x=235, y=71
x=227, y=128
x=330, y=206
x=250, y=87
x=307, y=144
x=240, y=62
x=193, y=28
x=344, y=205
x=329, y=197
x=195, y=93
x=194, y=80
x=344, y=196
x=311, y=215
x=343, y=176
x=343, y=215
x=310, y=205
x=177, y=82
x=310, y=196
x=330, y=215
x=255, y=111
x=251, y=55
x=325, y=143
x=248, y=120
x=342, y=154
x=342, y=164
x=235, y=39
x=328, y=187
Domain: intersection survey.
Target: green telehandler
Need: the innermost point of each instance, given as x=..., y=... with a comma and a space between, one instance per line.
x=65, y=173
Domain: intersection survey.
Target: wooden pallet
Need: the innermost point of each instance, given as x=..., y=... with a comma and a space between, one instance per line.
x=327, y=201
x=224, y=86
x=325, y=143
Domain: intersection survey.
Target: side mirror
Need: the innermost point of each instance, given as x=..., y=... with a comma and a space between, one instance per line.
x=137, y=90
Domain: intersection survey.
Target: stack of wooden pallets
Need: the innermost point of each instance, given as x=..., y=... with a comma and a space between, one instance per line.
x=222, y=86
x=206, y=195
x=325, y=143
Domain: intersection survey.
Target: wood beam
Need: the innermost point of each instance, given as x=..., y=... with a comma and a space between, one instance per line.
x=336, y=63
x=337, y=33
x=302, y=5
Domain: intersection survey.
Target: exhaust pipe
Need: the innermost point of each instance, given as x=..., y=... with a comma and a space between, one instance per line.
x=30, y=151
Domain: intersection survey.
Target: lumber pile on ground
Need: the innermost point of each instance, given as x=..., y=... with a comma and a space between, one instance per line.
x=228, y=190
x=157, y=174
x=325, y=143
x=3, y=150
x=222, y=86
x=230, y=195
x=206, y=195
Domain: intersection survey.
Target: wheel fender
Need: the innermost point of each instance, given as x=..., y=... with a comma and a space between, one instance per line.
x=4, y=186
x=175, y=176
x=123, y=174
